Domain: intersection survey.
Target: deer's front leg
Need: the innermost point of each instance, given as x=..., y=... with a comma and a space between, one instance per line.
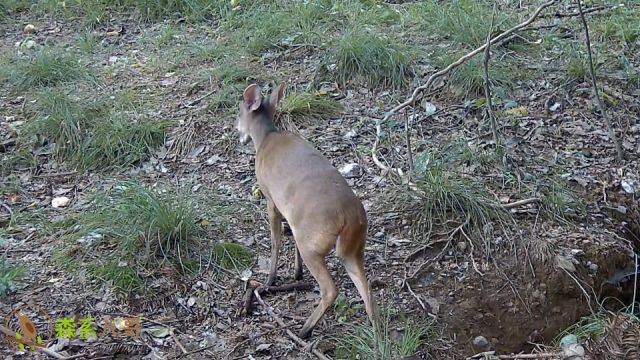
x=275, y=222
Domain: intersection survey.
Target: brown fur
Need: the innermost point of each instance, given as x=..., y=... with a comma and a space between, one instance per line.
x=304, y=188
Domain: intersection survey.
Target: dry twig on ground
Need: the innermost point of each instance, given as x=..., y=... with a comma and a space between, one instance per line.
x=594, y=83
x=247, y=299
x=293, y=336
x=487, y=86
x=437, y=75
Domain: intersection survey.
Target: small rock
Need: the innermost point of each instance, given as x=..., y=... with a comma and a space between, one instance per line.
x=263, y=347
x=29, y=44
x=29, y=29
x=60, y=202
x=576, y=252
x=593, y=267
x=462, y=246
x=481, y=342
x=564, y=263
x=573, y=351
x=628, y=186
x=555, y=107
x=378, y=234
x=350, y=134
x=350, y=170
x=568, y=340
x=433, y=304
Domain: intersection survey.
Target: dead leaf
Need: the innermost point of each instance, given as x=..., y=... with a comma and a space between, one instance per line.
x=263, y=347
x=157, y=331
x=519, y=111
x=565, y=263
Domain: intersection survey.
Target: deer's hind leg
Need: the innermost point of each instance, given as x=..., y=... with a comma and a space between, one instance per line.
x=315, y=259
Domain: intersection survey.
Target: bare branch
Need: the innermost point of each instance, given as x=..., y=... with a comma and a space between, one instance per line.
x=487, y=85
x=440, y=73
x=612, y=133
x=293, y=336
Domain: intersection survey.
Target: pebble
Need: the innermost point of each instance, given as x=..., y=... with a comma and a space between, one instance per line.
x=574, y=352
x=462, y=246
x=350, y=170
x=568, y=340
x=480, y=342
x=29, y=29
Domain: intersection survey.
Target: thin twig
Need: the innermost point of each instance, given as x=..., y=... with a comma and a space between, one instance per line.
x=594, y=82
x=586, y=11
x=407, y=133
x=435, y=76
x=6, y=207
x=487, y=86
x=635, y=287
x=519, y=203
x=175, y=338
x=247, y=299
x=200, y=98
x=293, y=336
x=66, y=173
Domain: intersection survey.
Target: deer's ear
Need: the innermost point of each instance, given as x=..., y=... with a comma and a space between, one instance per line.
x=276, y=95
x=252, y=97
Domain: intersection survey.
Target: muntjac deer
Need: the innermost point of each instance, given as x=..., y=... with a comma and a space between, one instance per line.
x=302, y=186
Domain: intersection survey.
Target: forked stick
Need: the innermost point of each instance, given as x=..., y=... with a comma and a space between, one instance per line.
x=293, y=336
x=438, y=74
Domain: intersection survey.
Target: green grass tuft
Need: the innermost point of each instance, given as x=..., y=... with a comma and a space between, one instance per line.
x=468, y=79
x=96, y=133
x=9, y=274
x=304, y=108
x=11, y=7
x=376, y=61
x=149, y=229
x=465, y=22
x=97, y=11
x=559, y=203
x=232, y=257
x=120, y=276
x=621, y=25
x=448, y=198
x=366, y=343
x=43, y=66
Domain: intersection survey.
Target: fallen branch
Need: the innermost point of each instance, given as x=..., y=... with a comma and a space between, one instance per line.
x=487, y=85
x=293, y=336
x=435, y=76
x=612, y=133
x=175, y=339
x=247, y=299
x=519, y=203
x=194, y=102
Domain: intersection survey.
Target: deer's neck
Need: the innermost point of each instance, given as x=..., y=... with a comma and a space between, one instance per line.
x=260, y=130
